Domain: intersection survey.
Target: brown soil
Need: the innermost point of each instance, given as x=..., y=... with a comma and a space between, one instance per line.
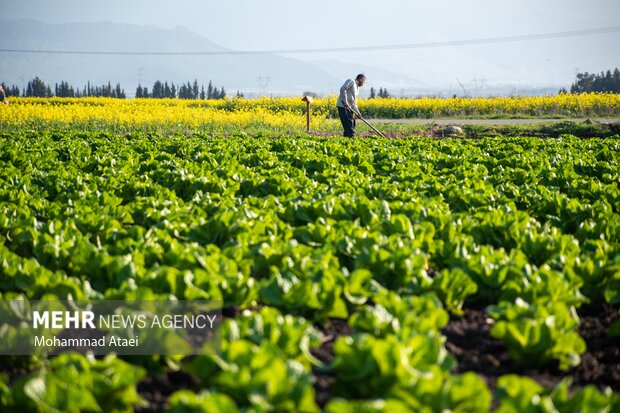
x=331, y=330
x=600, y=365
x=157, y=389
x=468, y=338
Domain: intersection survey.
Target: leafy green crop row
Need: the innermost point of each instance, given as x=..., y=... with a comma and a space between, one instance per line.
x=389, y=235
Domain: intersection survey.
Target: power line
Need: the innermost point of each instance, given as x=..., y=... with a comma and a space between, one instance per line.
x=488, y=40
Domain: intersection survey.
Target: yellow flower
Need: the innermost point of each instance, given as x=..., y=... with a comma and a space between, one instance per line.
x=280, y=114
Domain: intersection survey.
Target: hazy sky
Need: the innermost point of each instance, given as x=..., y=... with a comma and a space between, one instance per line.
x=286, y=24
x=277, y=24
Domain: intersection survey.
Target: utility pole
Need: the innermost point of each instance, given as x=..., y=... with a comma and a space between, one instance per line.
x=478, y=86
x=263, y=81
x=140, y=75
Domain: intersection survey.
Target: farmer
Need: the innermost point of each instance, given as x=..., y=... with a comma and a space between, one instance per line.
x=3, y=96
x=347, y=103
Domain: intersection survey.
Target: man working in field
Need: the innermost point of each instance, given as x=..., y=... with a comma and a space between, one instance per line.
x=3, y=96
x=347, y=103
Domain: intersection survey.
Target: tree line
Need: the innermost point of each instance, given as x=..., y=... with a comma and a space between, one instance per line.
x=38, y=88
x=605, y=82
x=383, y=93
x=184, y=91
x=608, y=82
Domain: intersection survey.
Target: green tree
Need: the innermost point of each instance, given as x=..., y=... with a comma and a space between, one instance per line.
x=158, y=90
x=11, y=90
x=118, y=92
x=210, y=91
x=604, y=82
x=195, y=90
x=64, y=90
x=37, y=88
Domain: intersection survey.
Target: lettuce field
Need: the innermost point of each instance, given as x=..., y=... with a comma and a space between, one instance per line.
x=357, y=275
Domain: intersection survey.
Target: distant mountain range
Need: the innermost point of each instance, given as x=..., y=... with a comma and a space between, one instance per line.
x=251, y=74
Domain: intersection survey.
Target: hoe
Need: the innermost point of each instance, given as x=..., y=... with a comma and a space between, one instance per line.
x=365, y=121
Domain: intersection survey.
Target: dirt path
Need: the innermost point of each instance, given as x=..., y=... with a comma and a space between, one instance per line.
x=488, y=121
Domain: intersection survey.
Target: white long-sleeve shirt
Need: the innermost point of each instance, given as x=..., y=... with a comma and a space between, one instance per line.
x=350, y=90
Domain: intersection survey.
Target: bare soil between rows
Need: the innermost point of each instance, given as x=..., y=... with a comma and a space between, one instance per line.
x=331, y=330
x=508, y=121
x=469, y=340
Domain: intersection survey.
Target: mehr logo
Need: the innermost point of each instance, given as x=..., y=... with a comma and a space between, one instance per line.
x=164, y=327
x=63, y=319
x=85, y=319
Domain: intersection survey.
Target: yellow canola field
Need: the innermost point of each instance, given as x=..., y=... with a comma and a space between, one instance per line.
x=589, y=104
x=95, y=113
x=280, y=114
x=566, y=105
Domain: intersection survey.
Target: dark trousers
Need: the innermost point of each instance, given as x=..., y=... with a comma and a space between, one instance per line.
x=348, y=121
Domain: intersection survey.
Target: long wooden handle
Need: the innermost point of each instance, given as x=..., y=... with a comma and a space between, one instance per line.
x=366, y=122
x=372, y=127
